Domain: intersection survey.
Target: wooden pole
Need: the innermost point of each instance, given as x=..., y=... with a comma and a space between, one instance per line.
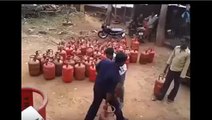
x=160, y=35
x=115, y=12
x=108, y=15
x=124, y=15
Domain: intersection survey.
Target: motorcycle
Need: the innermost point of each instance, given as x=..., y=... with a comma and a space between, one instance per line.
x=113, y=32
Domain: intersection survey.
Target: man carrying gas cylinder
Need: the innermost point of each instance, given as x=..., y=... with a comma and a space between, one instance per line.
x=178, y=64
x=107, y=80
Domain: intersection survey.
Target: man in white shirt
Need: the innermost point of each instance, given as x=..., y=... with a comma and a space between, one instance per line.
x=178, y=64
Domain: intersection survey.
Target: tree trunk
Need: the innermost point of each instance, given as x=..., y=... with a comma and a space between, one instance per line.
x=82, y=8
x=124, y=15
x=115, y=12
x=160, y=35
x=108, y=15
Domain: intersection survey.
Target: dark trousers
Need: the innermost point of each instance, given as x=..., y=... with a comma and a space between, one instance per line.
x=99, y=95
x=122, y=95
x=170, y=76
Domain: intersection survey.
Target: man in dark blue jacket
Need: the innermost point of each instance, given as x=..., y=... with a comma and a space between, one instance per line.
x=107, y=79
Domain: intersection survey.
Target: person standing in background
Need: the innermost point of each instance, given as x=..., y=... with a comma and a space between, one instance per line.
x=186, y=21
x=150, y=24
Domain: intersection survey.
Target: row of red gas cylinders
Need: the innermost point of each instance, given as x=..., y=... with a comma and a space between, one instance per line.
x=57, y=67
x=145, y=56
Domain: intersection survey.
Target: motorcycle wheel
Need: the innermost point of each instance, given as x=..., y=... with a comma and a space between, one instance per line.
x=102, y=35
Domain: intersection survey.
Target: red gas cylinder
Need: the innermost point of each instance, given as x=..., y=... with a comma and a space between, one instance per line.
x=43, y=60
x=63, y=54
x=103, y=56
x=58, y=66
x=127, y=51
x=48, y=70
x=76, y=58
x=92, y=72
x=124, y=41
x=120, y=49
x=85, y=57
x=69, y=50
x=83, y=49
x=78, y=52
x=135, y=44
x=67, y=73
x=79, y=71
x=158, y=85
x=97, y=54
x=34, y=66
x=89, y=51
x=151, y=55
x=133, y=56
x=144, y=56
x=91, y=59
x=87, y=66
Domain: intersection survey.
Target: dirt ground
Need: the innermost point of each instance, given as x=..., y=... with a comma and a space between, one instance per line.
x=71, y=101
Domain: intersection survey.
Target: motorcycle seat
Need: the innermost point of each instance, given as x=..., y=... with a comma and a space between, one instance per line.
x=117, y=30
x=140, y=28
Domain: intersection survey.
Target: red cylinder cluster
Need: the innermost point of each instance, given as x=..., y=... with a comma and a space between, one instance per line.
x=76, y=59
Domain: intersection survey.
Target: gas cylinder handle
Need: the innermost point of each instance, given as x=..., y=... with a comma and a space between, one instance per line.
x=161, y=76
x=37, y=52
x=33, y=56
x=47, y=60
x=56, y=54
x=113, y=108
x=58, y=59
x=92, y=64
x=50, y=59
x=68, y=57
x=49, y=51
x=62, y=43
x=66, y=64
